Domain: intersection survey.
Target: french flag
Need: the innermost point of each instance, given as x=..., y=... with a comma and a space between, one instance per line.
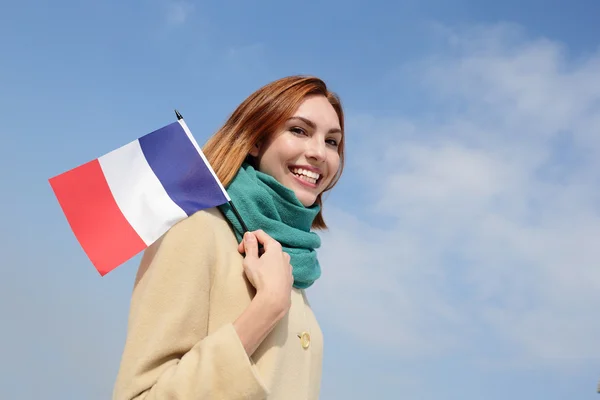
x=119, y=204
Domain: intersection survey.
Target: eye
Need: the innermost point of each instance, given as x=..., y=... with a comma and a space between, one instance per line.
x=297, y=130
x=332, y=142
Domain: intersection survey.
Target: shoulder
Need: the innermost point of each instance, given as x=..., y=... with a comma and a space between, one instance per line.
x=189, y=245
x=201, y=222
x=205, y=228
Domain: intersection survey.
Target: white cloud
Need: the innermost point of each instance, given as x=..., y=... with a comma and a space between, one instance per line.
x=492, y=203
x=178, y=12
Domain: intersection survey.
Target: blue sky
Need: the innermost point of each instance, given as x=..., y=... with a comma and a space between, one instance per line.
x=462, y=260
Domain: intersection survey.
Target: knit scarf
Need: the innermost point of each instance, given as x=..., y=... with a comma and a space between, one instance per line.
x=264, y=203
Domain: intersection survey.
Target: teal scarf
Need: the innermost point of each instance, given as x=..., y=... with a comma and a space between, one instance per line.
x=266, y=204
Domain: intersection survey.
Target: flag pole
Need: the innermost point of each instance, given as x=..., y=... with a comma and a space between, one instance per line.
x=230, y=202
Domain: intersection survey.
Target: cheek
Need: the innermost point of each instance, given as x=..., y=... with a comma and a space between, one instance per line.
x=282, y=148
x=334, y=163
x=273, y=159
x=290, y=147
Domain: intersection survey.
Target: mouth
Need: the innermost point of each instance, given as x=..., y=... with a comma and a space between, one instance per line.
x=309, y=178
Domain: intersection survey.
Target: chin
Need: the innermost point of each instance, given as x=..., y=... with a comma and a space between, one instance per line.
x=306, y=200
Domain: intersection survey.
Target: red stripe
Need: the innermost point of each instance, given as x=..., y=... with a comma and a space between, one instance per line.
x=99, y=225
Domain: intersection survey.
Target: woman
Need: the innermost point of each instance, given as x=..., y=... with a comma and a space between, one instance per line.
x=211, y=315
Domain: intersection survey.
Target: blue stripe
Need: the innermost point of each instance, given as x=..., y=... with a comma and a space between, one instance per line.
x=180, y=169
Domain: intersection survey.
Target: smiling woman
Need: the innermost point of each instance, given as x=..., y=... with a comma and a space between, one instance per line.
x=304, y=154
x=212, y=316
x=278, y=107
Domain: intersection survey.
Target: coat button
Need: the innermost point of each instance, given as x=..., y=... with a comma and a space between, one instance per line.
x=305, y=340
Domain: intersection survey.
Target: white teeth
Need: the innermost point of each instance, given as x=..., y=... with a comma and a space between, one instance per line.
x=306, y=175
x=305, y=172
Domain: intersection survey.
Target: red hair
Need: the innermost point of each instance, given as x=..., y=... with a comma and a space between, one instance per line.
x=261, y=115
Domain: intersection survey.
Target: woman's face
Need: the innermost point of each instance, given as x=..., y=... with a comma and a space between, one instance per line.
x=303, y=154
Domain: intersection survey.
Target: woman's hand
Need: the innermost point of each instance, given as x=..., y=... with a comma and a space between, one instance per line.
x=270, y=272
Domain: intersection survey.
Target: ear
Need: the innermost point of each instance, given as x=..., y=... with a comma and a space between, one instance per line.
x=255, y=150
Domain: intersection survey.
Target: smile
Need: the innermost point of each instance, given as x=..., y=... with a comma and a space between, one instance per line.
x=306, y=175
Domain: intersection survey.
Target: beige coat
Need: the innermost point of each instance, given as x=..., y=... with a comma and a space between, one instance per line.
x=181, y=343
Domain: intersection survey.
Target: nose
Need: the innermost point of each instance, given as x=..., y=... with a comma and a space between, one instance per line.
x=316, y=149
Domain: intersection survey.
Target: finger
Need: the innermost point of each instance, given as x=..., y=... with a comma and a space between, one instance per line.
x=249, y=272
x=241, y=246
x=250, y=245
x=286, y=257
x=266, y=240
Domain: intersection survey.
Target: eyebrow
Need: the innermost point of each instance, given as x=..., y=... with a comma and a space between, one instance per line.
x=312, y=125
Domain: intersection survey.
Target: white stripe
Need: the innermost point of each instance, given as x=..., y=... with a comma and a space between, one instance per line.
x=138, y=192
x=189, y=134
